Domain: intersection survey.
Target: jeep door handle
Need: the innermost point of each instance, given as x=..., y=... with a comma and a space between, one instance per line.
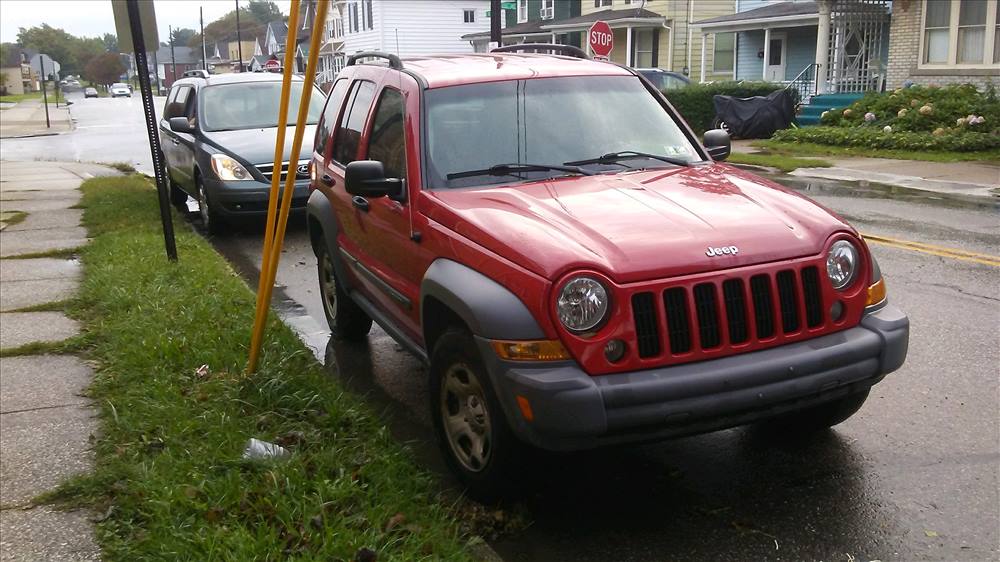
x=327, y=180
x=361, y=203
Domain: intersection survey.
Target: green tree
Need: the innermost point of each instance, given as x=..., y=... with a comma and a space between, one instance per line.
x=263, y=11
x=110, y=42
x=182, y=36
x=104, y=69
x=254, y=18
x=53, y=42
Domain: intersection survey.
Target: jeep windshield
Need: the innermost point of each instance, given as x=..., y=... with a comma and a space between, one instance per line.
x=252, y=105
x=551, y=121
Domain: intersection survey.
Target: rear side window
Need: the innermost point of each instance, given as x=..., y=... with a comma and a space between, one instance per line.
x=170, y=99
x=387, y=141
x=330, y=114
x=345, y=148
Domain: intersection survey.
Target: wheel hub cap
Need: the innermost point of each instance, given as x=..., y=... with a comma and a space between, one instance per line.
x=466, y=418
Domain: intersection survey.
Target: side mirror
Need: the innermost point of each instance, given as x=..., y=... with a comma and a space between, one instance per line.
x=367, y=179
x=181, y=125
x=717, y=144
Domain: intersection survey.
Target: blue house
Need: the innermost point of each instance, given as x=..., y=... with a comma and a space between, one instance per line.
x=831, y=51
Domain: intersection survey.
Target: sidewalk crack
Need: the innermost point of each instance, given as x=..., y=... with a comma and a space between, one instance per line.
x=45, y=408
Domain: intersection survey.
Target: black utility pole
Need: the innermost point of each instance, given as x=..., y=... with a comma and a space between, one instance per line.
x=495, y=15
x=139, y=47
x=45, y=96
x=173, y=61
x=239, y=43
x=204, y=52
x=156, y=72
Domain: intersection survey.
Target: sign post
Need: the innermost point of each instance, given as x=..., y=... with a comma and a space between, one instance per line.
x=39, y=62
x=601, y=40
x=136, y=25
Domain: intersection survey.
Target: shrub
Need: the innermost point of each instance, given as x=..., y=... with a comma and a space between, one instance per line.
x=695, y=101
x=958, y=141
x=923, y=109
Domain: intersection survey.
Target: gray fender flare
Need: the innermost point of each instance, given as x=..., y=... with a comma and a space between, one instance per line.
x=487, y=308
x=321, y=216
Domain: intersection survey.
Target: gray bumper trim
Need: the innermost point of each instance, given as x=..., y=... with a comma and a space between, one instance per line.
x=573, y=410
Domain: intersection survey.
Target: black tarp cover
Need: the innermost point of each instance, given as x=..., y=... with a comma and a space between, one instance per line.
x=757, y=117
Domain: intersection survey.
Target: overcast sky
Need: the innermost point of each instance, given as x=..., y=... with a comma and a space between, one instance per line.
x=93, y=18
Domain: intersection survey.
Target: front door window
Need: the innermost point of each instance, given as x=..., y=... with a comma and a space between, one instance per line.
x=775, y=70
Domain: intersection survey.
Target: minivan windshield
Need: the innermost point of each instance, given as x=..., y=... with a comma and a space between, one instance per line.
x=252, y=105
x=545, y=121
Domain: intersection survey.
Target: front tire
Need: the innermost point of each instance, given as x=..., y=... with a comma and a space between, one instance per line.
x=472, y=431
x=346, y=319
x=210, y=219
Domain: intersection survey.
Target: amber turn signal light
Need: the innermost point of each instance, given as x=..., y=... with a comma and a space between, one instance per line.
x=541, y=350
x=876, y=293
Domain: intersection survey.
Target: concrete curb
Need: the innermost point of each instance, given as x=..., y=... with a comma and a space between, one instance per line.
x=899, y=180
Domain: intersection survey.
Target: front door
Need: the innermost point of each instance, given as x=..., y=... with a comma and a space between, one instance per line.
x=774, y=66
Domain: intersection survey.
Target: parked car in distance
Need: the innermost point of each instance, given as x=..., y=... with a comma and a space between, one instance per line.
x=218, y=134
x=90, y=93
x=576, y=268
x=119, y=90
x=664, y=79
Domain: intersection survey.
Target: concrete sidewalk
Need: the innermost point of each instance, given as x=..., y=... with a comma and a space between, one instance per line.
x=27, y=119
x=45, y=422
x=964, y=178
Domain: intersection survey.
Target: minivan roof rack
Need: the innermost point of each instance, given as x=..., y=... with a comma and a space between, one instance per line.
x=568, y=50
x=394, y=61
x=196, y=73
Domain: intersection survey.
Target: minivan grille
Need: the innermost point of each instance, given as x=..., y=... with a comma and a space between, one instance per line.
x=727, y=312
x=268, y=169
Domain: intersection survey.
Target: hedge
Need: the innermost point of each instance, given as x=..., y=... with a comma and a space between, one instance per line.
x=695, y=101
x=958, y=141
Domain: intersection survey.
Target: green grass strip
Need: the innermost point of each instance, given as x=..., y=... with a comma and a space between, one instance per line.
x=781, y=162
x=813, y=149
x=169, y=476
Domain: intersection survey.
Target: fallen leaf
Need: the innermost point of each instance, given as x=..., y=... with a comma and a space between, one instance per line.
x=395, y=521
x=202, y=372
x=213, y=515
x=931, y=533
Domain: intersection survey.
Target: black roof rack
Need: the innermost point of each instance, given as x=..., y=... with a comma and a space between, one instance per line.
x=196, y=73
x=394, y=61
x=568, y=50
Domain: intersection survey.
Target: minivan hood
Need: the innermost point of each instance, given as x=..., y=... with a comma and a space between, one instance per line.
x=640, y=225
x=256, y=146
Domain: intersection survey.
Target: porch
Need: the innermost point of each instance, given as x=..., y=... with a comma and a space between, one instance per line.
x=640, y=31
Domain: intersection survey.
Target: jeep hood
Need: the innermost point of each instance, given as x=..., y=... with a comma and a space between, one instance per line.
x=256, y=146
x=639, y=225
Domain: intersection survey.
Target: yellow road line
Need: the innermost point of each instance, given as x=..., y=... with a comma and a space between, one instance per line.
x=953, y=253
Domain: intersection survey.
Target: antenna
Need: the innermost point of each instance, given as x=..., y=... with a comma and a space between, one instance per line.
x=396, y=30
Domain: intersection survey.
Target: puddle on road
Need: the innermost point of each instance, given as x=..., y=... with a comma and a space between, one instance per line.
x=869, y=190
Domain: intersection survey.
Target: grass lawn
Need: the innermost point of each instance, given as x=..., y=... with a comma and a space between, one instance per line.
x=811, y=149
x=779, y=161
x=14, y=98
x=169, y=478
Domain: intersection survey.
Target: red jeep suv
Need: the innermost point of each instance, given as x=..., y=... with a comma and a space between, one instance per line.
x=574, y=266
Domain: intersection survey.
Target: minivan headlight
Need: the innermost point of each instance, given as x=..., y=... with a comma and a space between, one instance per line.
x=228, y=169
x=582, y=304
x=842, y=264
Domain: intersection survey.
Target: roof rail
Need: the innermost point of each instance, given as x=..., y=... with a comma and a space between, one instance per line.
x=394, y=61
x=568, y=50
x=195, y=73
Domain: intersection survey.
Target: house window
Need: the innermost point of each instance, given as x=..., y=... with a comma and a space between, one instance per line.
x=958, y=33
x=353, y=13
x=369, y=20
x=722, y=55
x=643, y=48
x=548, y=10
x=469, y=16
x=522, y=11
x=602, y=3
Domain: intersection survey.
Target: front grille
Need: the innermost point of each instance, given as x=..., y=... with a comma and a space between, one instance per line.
x=728, y=312
x=267, y=170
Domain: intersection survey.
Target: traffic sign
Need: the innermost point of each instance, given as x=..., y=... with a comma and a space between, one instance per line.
x=44, y=65
x=601, y=39
x=272, y=65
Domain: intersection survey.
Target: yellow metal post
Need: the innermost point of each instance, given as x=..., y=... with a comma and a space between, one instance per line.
x=272, y=247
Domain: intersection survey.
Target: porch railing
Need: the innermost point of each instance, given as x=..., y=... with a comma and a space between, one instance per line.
x=805, y=83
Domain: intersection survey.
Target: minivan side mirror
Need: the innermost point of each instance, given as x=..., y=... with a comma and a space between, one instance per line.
x=718, y=144
x=367, y=179
x=181, y=125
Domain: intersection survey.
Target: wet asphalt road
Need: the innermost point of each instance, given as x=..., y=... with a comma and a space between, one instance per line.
x=913, y=476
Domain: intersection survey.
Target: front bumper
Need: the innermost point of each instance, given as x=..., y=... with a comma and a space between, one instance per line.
x=249, y=198
x=573, y=410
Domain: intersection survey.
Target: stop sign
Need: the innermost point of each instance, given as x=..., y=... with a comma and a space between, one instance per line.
x=272, y=64
x=600, y=38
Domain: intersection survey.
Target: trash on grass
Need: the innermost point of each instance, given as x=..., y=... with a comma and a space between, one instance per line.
x=257, y=449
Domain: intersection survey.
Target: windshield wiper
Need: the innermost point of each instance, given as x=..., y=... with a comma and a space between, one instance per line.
x=514, y=169
x=614, y=157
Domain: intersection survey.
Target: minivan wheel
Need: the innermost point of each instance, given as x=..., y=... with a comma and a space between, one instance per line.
x=346, y=319
x=210, y=219
x=471, y=428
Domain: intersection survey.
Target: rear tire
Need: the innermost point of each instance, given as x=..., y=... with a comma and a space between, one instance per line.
x=346, y=319
x=471, y=427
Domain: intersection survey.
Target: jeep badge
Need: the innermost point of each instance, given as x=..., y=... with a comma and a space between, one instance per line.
x=712, y=252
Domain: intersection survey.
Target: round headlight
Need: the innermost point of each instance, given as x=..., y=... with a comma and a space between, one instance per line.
x=842, y=263
x=582, y=304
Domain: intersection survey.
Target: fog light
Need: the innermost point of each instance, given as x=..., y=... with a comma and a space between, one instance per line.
x=837, y=311
x=614, y=350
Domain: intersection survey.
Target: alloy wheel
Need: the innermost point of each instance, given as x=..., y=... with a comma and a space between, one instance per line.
x=328, y=286
x=466, y=419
